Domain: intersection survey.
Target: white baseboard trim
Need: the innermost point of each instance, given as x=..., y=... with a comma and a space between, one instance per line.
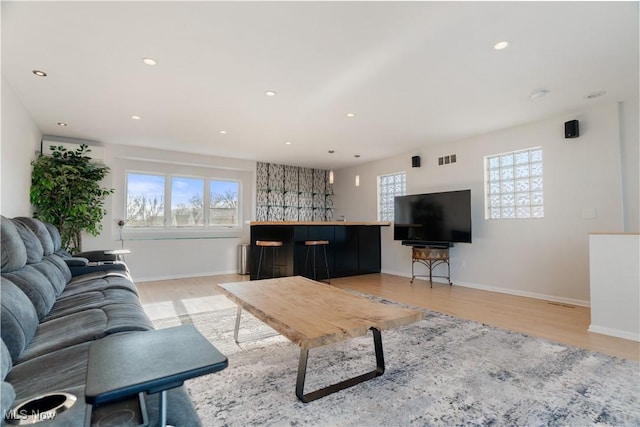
x=545, y=297
x=633, y=336
x=181, y=276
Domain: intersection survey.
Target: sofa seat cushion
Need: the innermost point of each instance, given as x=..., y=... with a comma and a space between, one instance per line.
x=85, y=326
x=66, y=331
x=99, y=281
x=60, y=369
x=92, y=299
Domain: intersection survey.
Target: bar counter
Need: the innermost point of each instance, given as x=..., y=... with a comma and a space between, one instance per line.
x=354, y=247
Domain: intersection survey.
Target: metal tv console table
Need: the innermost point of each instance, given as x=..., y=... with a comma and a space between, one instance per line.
x=430, y=256
x=121, y=366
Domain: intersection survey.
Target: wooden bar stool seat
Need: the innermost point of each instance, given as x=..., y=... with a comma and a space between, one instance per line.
x=311, y=246
x=268, y=244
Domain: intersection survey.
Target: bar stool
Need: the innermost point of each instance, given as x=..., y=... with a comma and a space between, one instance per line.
x=268, y=244
x=311, y=246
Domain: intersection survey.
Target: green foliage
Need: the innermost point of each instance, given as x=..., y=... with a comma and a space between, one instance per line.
x=66, y=192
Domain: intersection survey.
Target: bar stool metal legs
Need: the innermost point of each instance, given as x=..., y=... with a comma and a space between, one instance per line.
x=268, y=244
x=311, y=246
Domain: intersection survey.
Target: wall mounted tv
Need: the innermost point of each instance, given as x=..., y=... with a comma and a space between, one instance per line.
x=433, y=218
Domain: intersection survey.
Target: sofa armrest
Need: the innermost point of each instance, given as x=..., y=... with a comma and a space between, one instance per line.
x=92, y=267
x=76, y=262
x=96, y=256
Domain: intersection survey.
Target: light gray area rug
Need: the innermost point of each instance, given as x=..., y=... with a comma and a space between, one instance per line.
x=442, y=371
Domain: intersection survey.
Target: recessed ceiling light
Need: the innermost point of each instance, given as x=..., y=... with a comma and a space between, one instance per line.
x=136, y=117
x=288, y=143
x=223, y=132
x=357, y=156
x=270, y=93
x=39, y=73
x=149, y=61
x=350, y=114
x=597, y=94
x=501, y=45
x=62, y=124
x=538, y=93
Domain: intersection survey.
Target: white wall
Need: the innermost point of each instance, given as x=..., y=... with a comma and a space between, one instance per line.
x=20, y=140
x=614, y=278
x=630, y=152
x=544, y=258
x=173, y=258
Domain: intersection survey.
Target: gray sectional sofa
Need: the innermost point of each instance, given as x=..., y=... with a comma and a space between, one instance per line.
x=51, y=314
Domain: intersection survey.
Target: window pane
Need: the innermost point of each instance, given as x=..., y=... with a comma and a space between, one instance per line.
x=389, y=186
x=145, y=200
x=223, y=206
x=514, y=185
x=187, y=198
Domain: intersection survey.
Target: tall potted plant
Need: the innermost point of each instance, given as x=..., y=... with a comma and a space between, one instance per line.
x=66, y=192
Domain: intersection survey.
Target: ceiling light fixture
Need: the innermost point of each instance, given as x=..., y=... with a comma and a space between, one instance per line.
x=136, y=117
x=149, y=61
x=63, y=124
x=287, y=143
x=538, y=93
x=357, y=180
x=501, y=45
x=39, y=73
x=350, y=115
x=270, y=93
x=223, y=132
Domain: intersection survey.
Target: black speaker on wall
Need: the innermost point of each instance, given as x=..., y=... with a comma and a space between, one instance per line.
x=415, y=161
x=571, y=129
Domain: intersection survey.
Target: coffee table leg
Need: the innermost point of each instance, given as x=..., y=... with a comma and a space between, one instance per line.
x=302, y=373
x=237, y=328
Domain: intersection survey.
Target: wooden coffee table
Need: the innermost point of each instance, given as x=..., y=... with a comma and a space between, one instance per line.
x=313, y=314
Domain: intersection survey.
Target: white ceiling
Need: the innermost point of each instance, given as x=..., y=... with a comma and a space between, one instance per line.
x=415, y=73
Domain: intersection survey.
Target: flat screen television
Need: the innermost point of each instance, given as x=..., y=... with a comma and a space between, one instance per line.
x=433, y=218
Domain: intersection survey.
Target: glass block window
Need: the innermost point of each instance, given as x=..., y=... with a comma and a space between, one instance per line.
x=390, y=186
x=513, y=185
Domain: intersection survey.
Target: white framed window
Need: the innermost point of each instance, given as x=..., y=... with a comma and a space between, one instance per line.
x=158, y=203
x=514, y=184
x=390, y=186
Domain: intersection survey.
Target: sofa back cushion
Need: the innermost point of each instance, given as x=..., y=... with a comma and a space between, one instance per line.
x=40, y=230
x=31, y=243
x=18, y=318
x=5, y=361
x=13, y=253
x=36, y=286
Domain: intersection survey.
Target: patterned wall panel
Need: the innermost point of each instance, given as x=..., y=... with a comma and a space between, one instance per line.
x=262, y=172
x=291, y=199
x=262, y=213
x=276, y=213
x=305, y=180
x=319, y=178
x=305, y=214
x=276, y=177
x=293, y=193
x=291, y=178
x=291, y=214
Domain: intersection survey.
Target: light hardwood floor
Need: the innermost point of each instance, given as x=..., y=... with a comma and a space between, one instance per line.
x=557, y=322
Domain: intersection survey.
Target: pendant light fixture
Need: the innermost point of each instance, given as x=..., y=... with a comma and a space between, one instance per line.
x=331, y=169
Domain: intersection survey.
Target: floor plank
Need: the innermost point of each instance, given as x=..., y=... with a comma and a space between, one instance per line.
x=557, y=322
